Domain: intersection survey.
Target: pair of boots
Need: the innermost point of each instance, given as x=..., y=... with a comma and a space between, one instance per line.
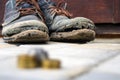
x=44, y=20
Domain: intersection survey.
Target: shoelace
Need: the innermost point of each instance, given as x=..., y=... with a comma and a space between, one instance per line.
x=27, y=11
x=59, y=10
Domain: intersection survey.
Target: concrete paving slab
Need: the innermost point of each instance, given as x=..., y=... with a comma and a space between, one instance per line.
x=77, y=60
x=99, y=76
x=106, y=71
x=74, y=62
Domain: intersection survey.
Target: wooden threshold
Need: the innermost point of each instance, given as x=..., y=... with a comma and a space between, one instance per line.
x=108, y=30
x=0, y=30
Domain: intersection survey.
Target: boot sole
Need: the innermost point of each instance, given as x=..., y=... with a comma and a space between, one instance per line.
x=82, y=35
x=28, y=36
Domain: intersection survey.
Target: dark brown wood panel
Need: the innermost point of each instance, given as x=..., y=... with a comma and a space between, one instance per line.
x=108, y=30
x=100, y=11
x=2, y=6
x=116, y=11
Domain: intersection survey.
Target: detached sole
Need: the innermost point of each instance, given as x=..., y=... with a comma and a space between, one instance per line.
x=28, y=36
x=82, y=35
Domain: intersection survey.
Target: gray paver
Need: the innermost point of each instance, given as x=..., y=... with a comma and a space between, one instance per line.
x=77, y=60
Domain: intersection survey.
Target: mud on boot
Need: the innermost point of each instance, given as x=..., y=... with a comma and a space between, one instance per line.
x=24, y=22
x=62, y=26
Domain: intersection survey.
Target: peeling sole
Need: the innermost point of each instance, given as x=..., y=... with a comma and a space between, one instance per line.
x=28, y=36
x=82, y=35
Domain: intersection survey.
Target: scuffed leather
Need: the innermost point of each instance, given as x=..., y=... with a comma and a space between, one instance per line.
x=57, y=23
x=10, y=17
x=15, y=23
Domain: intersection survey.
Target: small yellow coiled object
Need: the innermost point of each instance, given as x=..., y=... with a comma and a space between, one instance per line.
x=27, y=61
x=51, y=64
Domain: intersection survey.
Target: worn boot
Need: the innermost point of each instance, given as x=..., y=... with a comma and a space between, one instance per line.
x=64, y=28
x=24, y=22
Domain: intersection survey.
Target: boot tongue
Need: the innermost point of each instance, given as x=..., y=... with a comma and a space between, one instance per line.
x=24, y=5
x=44, y=5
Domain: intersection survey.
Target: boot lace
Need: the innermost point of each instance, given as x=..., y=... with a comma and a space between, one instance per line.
x=59, y=10
x=28, y=11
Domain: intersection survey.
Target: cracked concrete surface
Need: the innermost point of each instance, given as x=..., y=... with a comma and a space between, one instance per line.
x=96, y=60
